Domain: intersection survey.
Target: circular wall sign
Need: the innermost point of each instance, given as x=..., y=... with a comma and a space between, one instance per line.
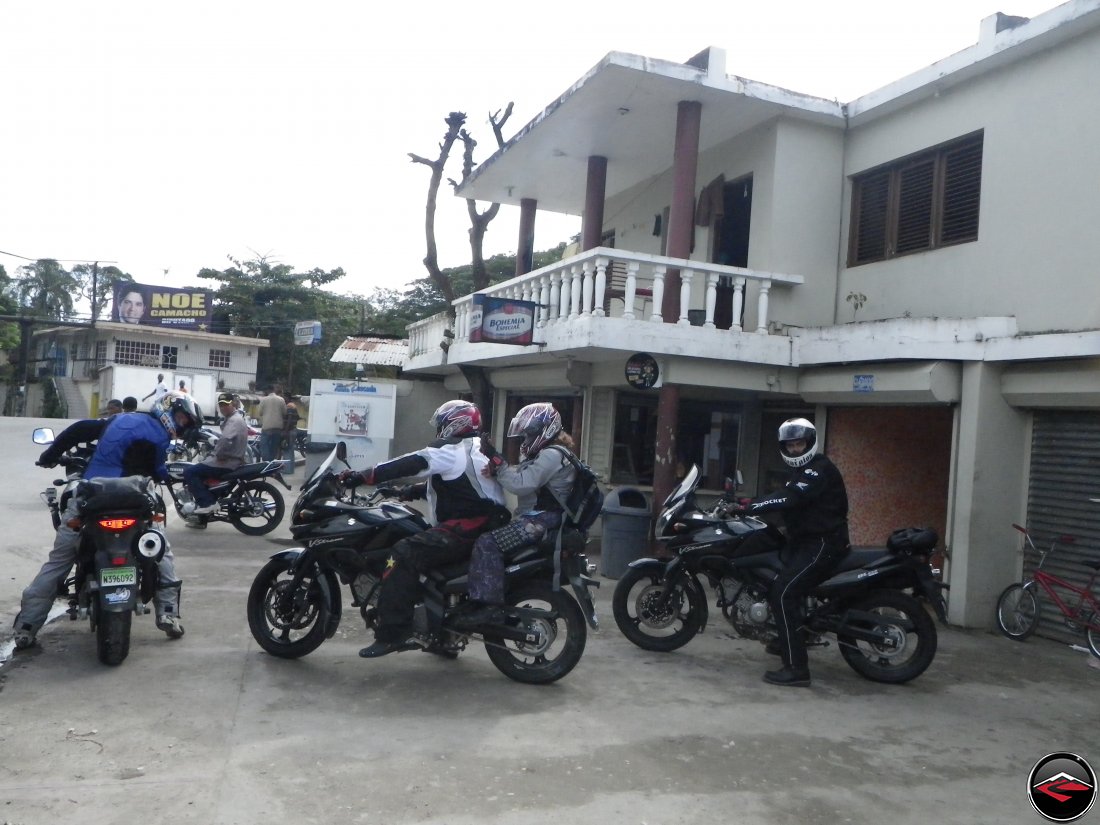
x=642, y=371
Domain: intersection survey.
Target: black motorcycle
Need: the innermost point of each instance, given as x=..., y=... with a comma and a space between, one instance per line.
x=120, y=545
x=245, y=499
x=295, y=601
x=873, y=603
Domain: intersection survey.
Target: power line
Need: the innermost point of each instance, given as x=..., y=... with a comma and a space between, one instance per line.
x=59, y=260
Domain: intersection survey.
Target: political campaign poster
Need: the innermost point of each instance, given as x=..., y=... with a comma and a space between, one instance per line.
x=162, y=306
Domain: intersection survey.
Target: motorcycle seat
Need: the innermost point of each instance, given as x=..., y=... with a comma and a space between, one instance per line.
x=859, y=558
x=245, y=470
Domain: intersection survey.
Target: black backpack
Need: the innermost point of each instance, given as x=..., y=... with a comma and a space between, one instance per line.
x=585, y=501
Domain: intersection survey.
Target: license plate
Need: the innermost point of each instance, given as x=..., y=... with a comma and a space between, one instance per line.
x=117, y=576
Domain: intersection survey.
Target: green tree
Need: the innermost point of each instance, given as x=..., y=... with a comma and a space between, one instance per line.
x=9, y=332
x=263, y=299
x=105, y=278
x=45, y=289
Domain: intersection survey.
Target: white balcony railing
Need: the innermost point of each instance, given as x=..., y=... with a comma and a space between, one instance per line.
x=635, y=282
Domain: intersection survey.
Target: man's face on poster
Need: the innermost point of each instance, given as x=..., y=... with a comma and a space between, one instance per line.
x=131, y=307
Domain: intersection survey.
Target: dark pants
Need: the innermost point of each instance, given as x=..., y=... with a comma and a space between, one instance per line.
x=807, y=562
x=486, y=575
x=446, y=543
x=195, y=477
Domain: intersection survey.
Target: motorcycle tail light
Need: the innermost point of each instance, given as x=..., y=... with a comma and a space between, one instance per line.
x=119, y=561
x=117, y=525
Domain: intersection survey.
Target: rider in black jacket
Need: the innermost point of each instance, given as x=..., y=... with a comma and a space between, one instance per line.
x=814, y=506
x=463, y=501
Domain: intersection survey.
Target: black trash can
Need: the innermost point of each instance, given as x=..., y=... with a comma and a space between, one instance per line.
x=625, y=530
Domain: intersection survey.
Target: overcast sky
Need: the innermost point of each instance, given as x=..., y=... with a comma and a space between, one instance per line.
x=167, y=136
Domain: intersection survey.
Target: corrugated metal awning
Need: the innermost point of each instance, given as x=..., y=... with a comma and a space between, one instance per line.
x=365, y=350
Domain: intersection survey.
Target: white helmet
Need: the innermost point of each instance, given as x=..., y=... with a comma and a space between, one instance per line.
x=794, y=429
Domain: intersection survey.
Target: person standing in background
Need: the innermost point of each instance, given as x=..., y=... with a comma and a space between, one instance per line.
x=290, y=433
x=272, y=422
x=159, y=390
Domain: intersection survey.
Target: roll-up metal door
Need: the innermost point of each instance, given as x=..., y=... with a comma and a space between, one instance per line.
x=1065, y=474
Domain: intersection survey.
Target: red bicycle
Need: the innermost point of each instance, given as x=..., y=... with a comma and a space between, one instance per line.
x=1018, y=605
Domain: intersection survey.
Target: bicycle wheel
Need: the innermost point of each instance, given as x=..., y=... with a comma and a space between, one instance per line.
x=1017, y=612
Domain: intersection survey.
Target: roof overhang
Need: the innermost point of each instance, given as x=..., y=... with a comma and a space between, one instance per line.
x=624, y=109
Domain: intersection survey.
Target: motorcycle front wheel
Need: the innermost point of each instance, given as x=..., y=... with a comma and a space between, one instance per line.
x=910, y=629
x=287, y=625
x=1017, y=612
x=112, y=636
x=256, y=508
x=649, y=619
x=560, y=641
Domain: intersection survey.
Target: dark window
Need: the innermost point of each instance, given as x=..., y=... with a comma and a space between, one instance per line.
x=219, y=359
x=708, y=435
x=169, y=357
x=921, y=202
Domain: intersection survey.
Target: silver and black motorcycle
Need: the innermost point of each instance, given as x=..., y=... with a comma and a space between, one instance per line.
x=873, y=604
x=295, y=601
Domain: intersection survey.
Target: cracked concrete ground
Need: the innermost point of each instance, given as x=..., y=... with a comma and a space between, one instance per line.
x=212, y=730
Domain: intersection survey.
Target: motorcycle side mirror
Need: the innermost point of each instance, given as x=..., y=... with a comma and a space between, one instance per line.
x=342, y=451
x=43, y=435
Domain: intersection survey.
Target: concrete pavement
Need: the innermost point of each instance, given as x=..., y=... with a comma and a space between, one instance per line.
x=212, y=730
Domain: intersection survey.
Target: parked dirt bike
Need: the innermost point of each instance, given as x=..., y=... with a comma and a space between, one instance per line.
x=295, y=601
x=872, y=604
x=120, y=545
x=245, y=499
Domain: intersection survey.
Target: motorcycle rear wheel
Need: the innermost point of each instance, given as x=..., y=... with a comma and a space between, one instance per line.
x=1093, y=637
x=287, y=630
x=561, y=644
x=915, y=646
x=112, y=636
x=265, y=508
x=1017, y=612
x=647, y=623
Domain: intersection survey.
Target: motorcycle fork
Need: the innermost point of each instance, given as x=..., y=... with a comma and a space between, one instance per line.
x=673, y=575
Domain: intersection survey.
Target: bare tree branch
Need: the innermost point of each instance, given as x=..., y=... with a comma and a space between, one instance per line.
x=454, y=121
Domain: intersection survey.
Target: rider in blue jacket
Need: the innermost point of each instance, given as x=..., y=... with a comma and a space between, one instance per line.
x=129, y=444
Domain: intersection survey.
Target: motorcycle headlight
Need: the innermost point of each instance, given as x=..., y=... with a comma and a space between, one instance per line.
x=152, y=545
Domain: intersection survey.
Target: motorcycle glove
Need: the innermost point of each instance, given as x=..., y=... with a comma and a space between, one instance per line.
x=491, y=452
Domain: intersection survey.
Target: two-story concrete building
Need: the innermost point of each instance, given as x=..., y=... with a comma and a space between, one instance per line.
x=90, y=365
x=915, y=270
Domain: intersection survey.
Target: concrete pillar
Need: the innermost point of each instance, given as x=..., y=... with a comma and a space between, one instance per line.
x=681, y=213
x=681, y=220
x=594, y=193
x=988, y=489
x=525, y=246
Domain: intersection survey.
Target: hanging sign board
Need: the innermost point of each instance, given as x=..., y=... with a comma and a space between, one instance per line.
x=642, y=371
x=162, y=306
x=502, y=321
x=307, y=332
